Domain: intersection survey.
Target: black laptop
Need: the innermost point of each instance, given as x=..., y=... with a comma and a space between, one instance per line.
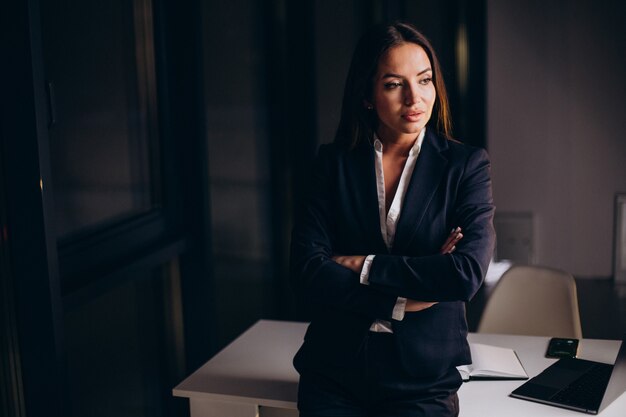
x=578, y=384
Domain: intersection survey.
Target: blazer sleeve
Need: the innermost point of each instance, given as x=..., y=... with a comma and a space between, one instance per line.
x=456, y=276
x=318, y=279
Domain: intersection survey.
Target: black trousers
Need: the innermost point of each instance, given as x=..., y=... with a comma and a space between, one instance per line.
x=376, y=385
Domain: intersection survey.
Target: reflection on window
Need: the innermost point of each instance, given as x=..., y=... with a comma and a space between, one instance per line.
x=100, y=66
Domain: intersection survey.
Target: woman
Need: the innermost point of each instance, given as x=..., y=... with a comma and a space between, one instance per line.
x=387, y=298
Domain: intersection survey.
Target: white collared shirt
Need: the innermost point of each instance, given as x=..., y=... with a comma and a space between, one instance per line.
x=389, y=221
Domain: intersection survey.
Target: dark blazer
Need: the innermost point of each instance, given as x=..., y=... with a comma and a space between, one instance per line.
x=450, y=187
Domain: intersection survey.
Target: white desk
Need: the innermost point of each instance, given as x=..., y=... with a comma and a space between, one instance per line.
x=253, y=376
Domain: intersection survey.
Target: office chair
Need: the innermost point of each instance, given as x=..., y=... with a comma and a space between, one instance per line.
x=532, y=300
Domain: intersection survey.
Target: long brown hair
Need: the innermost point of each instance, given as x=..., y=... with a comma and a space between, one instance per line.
x=358, y=124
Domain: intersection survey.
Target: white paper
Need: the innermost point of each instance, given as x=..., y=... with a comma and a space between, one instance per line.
x=492, y=362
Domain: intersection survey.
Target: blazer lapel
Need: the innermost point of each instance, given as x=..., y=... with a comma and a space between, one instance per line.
x=361, y=190
x=429, y=169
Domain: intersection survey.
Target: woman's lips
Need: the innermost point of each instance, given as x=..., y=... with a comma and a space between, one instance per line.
x=412, y=116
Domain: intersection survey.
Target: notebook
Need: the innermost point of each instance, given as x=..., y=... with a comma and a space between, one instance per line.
x=492, y=362
x=578, y=384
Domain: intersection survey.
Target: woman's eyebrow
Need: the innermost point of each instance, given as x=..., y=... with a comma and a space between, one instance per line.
x=392, y=75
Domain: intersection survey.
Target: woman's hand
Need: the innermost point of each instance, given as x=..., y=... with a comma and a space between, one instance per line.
x=355, y=263
x=450, y=244
x=413, y=305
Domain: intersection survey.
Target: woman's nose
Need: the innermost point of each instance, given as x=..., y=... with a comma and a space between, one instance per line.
x=411, y=96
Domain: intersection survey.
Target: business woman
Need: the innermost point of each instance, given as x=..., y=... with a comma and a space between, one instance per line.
x=394, y=237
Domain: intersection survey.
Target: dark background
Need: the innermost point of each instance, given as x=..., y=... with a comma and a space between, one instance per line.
x=151, y=153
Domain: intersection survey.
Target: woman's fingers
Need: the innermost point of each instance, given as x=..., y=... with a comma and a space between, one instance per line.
x=450, y=243
x=355, y=263
x=414, y=305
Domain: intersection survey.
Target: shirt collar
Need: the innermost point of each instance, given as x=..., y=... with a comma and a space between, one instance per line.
x=378, y=145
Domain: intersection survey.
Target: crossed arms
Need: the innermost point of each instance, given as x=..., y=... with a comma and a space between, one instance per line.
x=454, y=273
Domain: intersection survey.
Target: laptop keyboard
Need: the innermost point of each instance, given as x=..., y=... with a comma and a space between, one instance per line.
x=586, y=390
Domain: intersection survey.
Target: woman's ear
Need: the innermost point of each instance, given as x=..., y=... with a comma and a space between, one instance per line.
x=368, y=105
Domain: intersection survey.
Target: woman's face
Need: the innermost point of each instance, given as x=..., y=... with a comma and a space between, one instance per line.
x=403, y=92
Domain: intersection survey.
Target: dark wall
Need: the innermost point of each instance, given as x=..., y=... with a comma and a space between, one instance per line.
x=556, y=125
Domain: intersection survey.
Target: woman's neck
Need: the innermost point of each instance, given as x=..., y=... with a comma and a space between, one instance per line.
x=397, y=144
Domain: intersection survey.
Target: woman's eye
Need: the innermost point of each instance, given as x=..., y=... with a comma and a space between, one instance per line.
x=392, y=85
x=425, y=81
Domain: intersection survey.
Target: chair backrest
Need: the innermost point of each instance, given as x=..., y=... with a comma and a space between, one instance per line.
x=536, y=301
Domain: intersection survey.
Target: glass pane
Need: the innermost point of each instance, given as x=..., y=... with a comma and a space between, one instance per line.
x=100, y=69
x=124, y=349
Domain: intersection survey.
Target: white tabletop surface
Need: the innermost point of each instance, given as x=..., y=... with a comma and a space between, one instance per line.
x=256, y=368
x=484, y=398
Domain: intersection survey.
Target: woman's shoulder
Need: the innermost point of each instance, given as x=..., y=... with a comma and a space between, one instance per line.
x=465, y=151
x=457, y=145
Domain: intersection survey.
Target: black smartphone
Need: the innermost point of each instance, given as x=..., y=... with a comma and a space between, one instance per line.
x=562, y=348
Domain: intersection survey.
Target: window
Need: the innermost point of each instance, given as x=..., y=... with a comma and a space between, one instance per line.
x=99, y=64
